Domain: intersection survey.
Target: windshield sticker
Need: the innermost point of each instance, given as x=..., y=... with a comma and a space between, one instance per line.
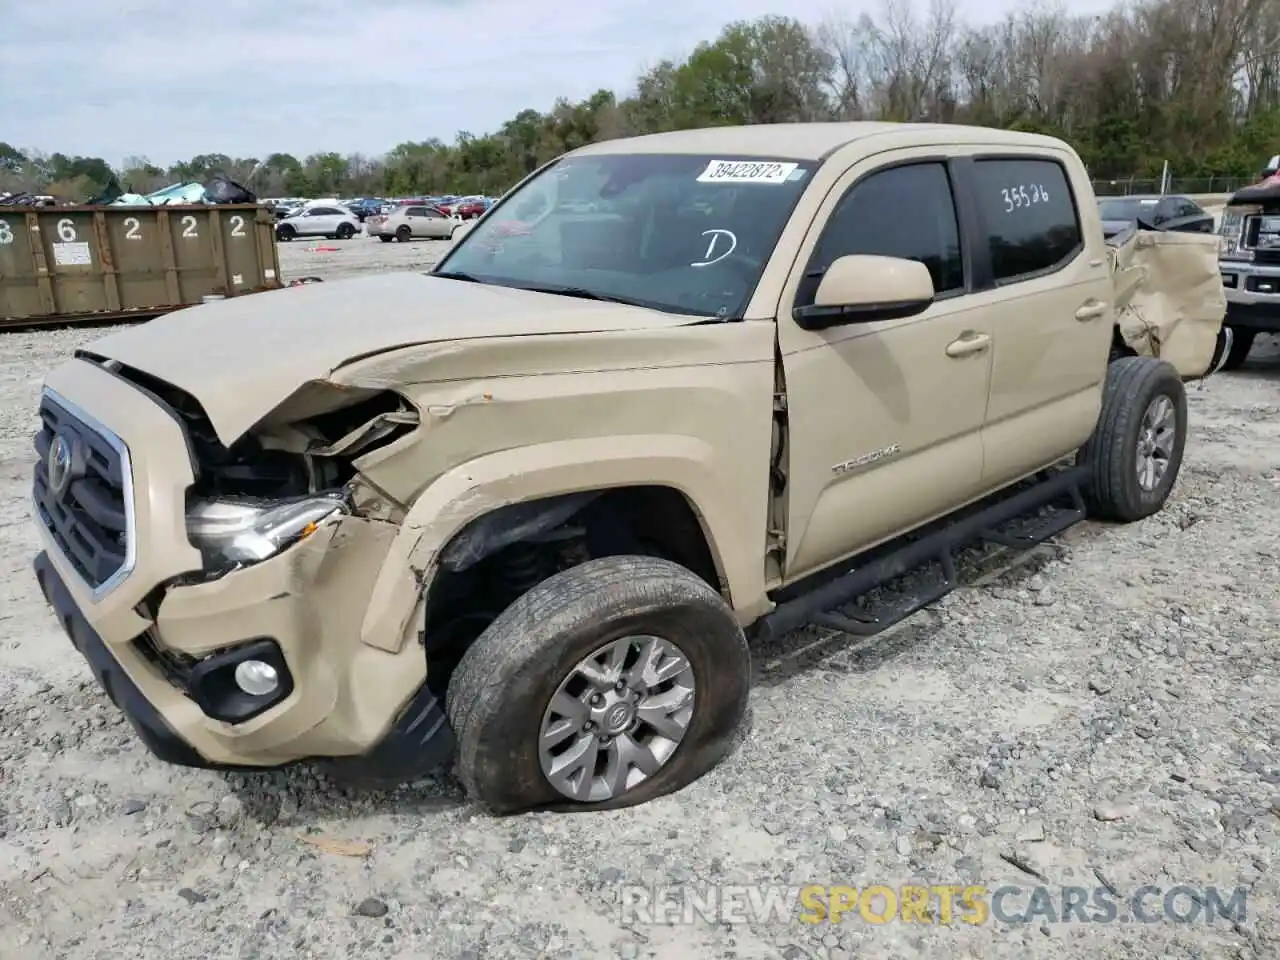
x=747, y=171
x=719, y=239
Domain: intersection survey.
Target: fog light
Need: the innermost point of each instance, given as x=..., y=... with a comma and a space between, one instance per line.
x=257, y=678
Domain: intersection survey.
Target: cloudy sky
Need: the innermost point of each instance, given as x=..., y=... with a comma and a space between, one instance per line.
x=168, y=79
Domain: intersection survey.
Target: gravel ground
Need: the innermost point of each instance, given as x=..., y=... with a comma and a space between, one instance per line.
x=1102, y=714
x=334, y=259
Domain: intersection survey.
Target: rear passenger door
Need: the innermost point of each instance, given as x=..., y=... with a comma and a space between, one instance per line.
x=1047, y=300
x=885, y=417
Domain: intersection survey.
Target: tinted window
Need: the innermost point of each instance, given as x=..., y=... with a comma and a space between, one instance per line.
x=903, y=212
x=325, y=212
x=1030, y=215
x=416, y=211
x=434, y=214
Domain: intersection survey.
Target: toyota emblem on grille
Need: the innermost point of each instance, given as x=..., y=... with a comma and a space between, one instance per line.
x=59, y=464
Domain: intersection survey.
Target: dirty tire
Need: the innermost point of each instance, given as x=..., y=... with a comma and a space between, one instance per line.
x=404, y=234
x=384, y=238
x=504, y=682
x=286, y=233
x=346, y=231
x=1112, y=491
x=1240, y=348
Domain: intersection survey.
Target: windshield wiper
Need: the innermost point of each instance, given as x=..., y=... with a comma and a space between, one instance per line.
x=581, y=293
x=456, y=275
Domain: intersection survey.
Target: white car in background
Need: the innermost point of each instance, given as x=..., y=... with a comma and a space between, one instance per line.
x=318, y=220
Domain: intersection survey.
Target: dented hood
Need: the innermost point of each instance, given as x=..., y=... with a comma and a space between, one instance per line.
x=242, y=357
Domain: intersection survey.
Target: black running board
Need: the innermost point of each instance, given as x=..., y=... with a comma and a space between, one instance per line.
x=821, y=606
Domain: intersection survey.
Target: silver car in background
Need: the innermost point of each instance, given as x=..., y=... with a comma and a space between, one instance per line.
x=412, y=222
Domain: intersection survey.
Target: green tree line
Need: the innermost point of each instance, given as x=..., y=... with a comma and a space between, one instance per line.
x=1195, y=83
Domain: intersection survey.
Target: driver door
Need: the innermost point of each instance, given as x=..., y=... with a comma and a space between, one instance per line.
x=885, y=416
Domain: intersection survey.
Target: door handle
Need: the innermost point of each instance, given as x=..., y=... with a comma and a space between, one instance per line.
x=968, y=345
x=1091, y=310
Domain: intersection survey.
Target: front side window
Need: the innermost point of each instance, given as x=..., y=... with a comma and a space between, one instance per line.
x=905, y=212
x=1030, y=214
x=681, y=233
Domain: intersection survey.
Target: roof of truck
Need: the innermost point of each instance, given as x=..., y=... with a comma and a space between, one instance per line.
x=807, y=141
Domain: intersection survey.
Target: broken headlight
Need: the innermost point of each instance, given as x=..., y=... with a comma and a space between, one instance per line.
x=235, y=532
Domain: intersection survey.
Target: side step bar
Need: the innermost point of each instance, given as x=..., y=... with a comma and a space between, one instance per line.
x=822, y=605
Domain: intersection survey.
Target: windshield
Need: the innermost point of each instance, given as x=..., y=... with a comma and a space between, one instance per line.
x=1127, y=209
x=681, y=233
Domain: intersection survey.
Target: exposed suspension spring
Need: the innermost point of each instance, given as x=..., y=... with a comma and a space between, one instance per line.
x=524, y=566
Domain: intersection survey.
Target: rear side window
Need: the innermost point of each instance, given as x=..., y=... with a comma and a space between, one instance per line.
x=905, y=212
x=416, y=211
x=1030, y=216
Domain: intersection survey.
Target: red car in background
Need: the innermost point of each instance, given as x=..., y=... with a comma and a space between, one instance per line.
x=468, y=208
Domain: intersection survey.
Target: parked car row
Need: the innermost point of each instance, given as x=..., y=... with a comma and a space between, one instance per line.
x=435, y=218
x=464, y=207
x=1154, y=211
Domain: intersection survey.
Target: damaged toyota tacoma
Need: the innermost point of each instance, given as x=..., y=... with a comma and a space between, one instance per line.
x=520, y=515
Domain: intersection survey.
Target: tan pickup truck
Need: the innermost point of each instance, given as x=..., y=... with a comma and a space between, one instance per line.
x=523, y=513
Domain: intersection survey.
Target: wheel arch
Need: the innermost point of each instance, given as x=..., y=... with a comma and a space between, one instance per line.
x=671, y=483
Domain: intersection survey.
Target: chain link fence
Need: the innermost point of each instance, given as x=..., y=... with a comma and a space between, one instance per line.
x=1129, y=186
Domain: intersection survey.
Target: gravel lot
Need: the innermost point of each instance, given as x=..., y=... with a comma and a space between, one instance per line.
x=1102, y=714
x=334, y=259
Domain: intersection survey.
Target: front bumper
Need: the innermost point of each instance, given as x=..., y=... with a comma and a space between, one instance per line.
x=1253, y=295
x=150, y=636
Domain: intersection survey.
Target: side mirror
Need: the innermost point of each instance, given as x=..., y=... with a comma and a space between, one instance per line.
x=863, y=288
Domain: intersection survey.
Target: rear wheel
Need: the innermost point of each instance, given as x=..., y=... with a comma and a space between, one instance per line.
x=346, y=231
x=404, y=234
x=384, y=238
x=612, y=683
x=1136, y=449
x=285, y=232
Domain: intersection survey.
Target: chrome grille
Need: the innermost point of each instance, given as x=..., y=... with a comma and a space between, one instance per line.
x=87, y=504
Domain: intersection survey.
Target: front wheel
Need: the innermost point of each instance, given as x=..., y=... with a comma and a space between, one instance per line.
x=286, y=233
x=609, y=684
x=1136, y=449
